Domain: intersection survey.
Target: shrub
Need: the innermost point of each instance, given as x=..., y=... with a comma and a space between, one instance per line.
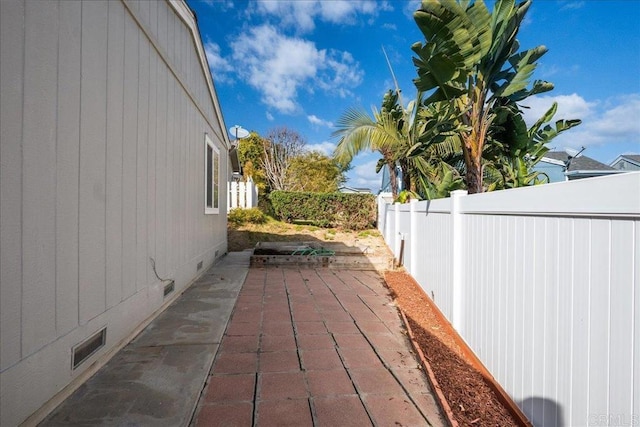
x=347, y=211
x=264, y=204
x=241, y=216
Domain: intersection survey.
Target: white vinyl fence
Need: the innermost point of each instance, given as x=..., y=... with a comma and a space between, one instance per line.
x=543, y=283
x=242, y=195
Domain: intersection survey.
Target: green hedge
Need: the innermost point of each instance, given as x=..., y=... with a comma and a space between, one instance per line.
x=239, y=216
x=349, y=211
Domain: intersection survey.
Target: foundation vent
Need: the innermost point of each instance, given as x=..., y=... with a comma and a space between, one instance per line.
x=199, y=266
x=169, y=287
x=88, y=347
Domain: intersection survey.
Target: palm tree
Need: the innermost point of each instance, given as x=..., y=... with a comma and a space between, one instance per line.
x=386, y=133
x=470, y=60
x=411, y=137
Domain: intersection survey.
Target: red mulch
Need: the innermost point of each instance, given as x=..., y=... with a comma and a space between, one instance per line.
x=472, y=401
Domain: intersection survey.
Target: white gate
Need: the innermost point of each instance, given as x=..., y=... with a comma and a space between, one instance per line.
x=242, y=195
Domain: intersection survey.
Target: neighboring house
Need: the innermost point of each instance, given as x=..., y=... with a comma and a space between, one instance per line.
x=627, y=162
x=346, y=189
x=560, y=166
x=385, y=186
x=113, y=153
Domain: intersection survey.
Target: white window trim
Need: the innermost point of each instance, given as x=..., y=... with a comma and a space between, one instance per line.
x=216, y=152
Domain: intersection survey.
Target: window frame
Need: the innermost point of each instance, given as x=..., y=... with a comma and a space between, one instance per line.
x=211, y=178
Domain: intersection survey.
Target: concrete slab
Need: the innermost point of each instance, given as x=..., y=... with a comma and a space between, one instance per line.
x=307, y=347
x=140, y=386
x=157, y=379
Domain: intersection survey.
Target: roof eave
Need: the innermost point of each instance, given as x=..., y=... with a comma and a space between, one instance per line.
x=552, y=161
x=592, y=172
x=187, y=16
x=626, y=159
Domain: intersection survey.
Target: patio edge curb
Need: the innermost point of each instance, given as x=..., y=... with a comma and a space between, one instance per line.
x=441, y=399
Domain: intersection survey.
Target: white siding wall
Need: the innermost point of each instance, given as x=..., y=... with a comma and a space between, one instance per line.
x=550, y=295
x=104, y=110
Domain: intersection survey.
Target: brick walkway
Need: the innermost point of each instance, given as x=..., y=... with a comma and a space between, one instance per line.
x=315, y=347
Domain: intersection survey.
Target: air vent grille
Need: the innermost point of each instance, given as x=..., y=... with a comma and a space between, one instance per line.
x=88, y=347
x=169, y=287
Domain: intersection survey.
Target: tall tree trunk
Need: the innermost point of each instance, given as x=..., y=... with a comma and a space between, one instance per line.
x=406, y=176
x=393, y=178
x=473, y=176
x=473, y=142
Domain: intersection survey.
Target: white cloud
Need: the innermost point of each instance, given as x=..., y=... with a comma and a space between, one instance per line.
x=222, y=4
x=317, y=121
x=294, y=14
x=220, y=68
x=610, y=122
x=364, y=175
x=269, y=116
x=546, y=71
x=325, y=147
x=572, y=5
x=279, y=66
x=301, y=15
x=410, y=7
x=344, y=11
x=569, y=107
x=341, y=73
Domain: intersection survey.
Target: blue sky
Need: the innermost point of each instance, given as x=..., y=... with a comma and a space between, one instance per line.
x=302, y=64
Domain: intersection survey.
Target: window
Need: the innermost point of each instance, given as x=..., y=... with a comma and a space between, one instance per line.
x=211, y=177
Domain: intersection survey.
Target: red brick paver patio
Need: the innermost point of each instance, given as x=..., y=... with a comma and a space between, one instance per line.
x=315, y=347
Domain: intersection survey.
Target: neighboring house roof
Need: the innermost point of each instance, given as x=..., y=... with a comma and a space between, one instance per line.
x=578, y=167
x=582, y=163
x=346, y=189
x=634, y=159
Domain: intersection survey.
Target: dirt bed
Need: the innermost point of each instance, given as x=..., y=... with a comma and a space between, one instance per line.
x=472, y=401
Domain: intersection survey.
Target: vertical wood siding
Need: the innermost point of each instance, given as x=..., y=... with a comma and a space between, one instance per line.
x=551, y=292
x=12, y=89
x=105, y=106
x=38, y=188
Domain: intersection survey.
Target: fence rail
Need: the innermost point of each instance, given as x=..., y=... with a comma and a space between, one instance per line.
x=543, y=283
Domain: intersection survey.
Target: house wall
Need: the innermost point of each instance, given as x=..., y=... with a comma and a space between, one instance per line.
x=554, y=172
x=543, y=283
x=625, y=165
x=104, y=110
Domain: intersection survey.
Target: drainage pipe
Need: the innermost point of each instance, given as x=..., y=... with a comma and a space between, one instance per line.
x=401, y=255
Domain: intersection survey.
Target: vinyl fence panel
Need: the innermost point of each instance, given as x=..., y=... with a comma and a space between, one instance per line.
x=542, y=283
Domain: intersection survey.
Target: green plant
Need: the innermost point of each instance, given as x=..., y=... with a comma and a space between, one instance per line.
x=470, y=60
x=368, y=233
x=348, y=211
x=405, y=196
x=241, y=216
x=444, y=180
x=315, y=172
